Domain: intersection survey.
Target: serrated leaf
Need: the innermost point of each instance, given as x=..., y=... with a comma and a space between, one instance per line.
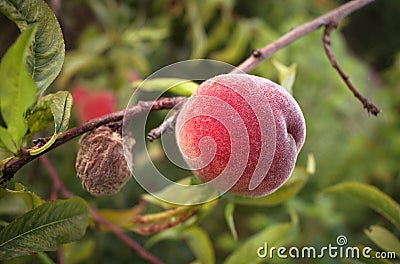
x=275, y=235
x=287, y=191
x=44, y=228
x=17, y=91
x=18, y=200
x=286, y=75
x=176, y=86
x=383, y=238
x=370, y=196
x=60, y=105
x=46, y=56
x=229, y=209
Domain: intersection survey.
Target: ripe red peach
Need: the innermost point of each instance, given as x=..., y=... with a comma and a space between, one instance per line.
x=244, y=128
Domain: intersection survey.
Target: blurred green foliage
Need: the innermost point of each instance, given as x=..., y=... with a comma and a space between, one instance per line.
x=111, y=44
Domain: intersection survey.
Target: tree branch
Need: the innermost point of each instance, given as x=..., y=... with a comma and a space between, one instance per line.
x=332, y=17
x=167, y=125
x=259, y=55
x=371, y=108
x=13, y=165
x=58, y=184
x=124, y=237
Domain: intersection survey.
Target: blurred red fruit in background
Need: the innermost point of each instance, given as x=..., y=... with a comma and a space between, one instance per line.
x=91, y=104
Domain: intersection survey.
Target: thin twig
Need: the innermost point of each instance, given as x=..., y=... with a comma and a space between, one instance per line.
x=262, y=54
x=60, y=255
x=96, y=216
x=55, y=6
x=326, y=38
x=13, y=165
x=166, y=125
x=123, y=237
x=332, y=17
x=58, y=185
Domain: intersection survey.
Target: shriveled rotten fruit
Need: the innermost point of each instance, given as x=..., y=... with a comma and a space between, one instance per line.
x=100, y=163
x=243, y=128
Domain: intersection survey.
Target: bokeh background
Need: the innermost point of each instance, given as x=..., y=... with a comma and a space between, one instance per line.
x=111, y=44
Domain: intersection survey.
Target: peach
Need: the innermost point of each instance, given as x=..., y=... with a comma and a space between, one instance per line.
x=91, y=104
x=241, y=134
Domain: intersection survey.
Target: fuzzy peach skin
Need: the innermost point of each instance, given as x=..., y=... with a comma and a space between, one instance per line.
x=289, y=132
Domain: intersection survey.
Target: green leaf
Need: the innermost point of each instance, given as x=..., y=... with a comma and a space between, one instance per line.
x=200, y=244
x=199, y=40
x=60, y=105
x=79, y=60
x=196, y=238
x=44, y=228
x=61, y=109
x=18, y=200
x=229, y=209
x=40, y=117
x=174, y=233
x=286, y=75
x=219, y=33
x=311, y=166
x=370, y=196
x=156, y=222
x=120, y=218
x=290, y=189
x=17, y=91
x=46, y=56
x=237, y=44
x=137, y=35
x=274, y=235
x=79, y=251
x=166, y=192
x=44, y=258
x=7, y=141
x=170, y=192
x=176, y=86
x=383, y=238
